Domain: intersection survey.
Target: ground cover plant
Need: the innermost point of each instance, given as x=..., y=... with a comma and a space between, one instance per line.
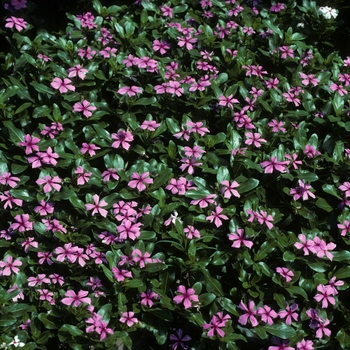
x=174, y=175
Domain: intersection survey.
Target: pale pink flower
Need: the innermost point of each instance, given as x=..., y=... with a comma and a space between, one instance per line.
x=97, y=206
x=49, y=183
x=122, y=138
x=90, y=148
x=229, y=189
x=216, y=216
x=129, y=90
x=62, y=85
x=305, y=244
x=250, y=314
x=305, y=345
x=77, y=70
x=10, y=266
x=128, y=318
x=325, y=295
x=85, y=107
x=254, y=138
x=239, y=238
x=48, y=157
x=140, y=181
x=285, y=272
x=76, y=299
x=30, y=143
x=186, y=296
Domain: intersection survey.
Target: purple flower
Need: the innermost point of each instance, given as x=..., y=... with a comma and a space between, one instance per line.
x=178, y=338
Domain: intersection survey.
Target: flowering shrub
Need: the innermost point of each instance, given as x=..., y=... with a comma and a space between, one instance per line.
x=174, y=175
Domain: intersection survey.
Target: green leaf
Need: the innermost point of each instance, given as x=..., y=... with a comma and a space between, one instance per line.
x=266, y=248
x=307, y=176
x=134, y=283
x=343, y=338
x=23, y=107
x=7, y=320
x=48, y=321
x=228, y=305
x=322, y=203
x=343, y=272
x=16, y=135
x=206, y=299
x=42, y=88
x=248, y=185
x=297, y=290
x=161, y=179
x=108, y=273
x=105, y=312
x=213, y=285
x=280, y=330
x=72, y=330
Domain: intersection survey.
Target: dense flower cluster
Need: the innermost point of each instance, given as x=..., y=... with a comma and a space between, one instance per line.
x=171, y=166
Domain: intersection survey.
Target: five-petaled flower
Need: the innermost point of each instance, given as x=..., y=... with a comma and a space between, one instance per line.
x=97, y=206
x=250, y=314
x=128, y=318
x=62, y=86
x=10, y=266
x=139, y=181
x=76, y=299
x=186, y=296
x=18, y=23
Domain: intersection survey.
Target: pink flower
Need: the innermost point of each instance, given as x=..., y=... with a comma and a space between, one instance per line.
x=9, y=199
x=7, y=179
x=250, y=314
x=120, y=275
x=46, y=295
x=23, y=223
x=122, y=139
x=264, y=218
x=76, y=299
x=128, y=318
x=38, y=280
x=147, y=298
x=204, y=202
x=322, y=330
x=128, y=229
x=129, y=90
x=227, y=101
x=274, y=164
x=29, y=242
x=311, y=151
x=48, y=157
x=286, y=273
x=150, y=125
x=50, y=183
x=309, y=79
x=325, y=295
x=97, y=207
x=345, y=187
x=277, y=125
x=287, y=51
x=62, y=85
x=140, y=181
x=90, y=148
x=277, y=7
x=189, y=163
x=84, y=107
x=289, y=313
x=216, y=216
x=77, y=70
x=88, y=53
x=18, y=23
x=305, y=244
x=83, y=176
x=167, y=11
x=9, y=266
x=293, y=160
x=217, y=322
x=106, y=175
x=160, y=46
x=186, y=41
x=267, y=314
x=44, y=208
x=254, y=138
x=305, y=345
x=191, y=232
x=229, y=189
x=30, y=143
x=338, y=88
x=301, y=191
x=186, y=296
x=239, y=238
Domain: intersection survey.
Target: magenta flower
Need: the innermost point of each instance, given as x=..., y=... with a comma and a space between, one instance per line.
x=250, y=314
x=229, y=189
x=227, y=101
x=332, y=283
x=48, y=157
x=128, y=229
x=23, y=223
x=83, y=176
x=9, y=266
x=186, y=296
x=129, y=90
x=18, y=23
x=106, y=175
x=239, y=238
x=306, y=245
x=267, y=314
x=160, y=46
x=325, y=295
x=68, y=252
x=204, y=202
x=120, y=275
x=44, y=208
x=311, y=151
x=303, y=190
x=90, y=148
x=191, y=232
x=305, y=345
x=128, y=318
x=76, y=299
x=85, y=107
x=216, y=216
x=29, y=242
x=264, y=218
x=7, y=179
x=322, y=330
x=50, y=183
x=150, y=125
x=274, y=164
x=30, y=143
x=122, y=138
x=140, y=181
x=9, y=199
x=97, y=206
x=286, y=273
x=289, y=313
x=147, y=298
x=217, y=322
x=77, y=70
x=62, y=85
x=254, y=138
x=190, y=163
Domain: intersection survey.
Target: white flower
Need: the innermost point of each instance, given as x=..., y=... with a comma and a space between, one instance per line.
x=328, y=12
x=16, y=342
